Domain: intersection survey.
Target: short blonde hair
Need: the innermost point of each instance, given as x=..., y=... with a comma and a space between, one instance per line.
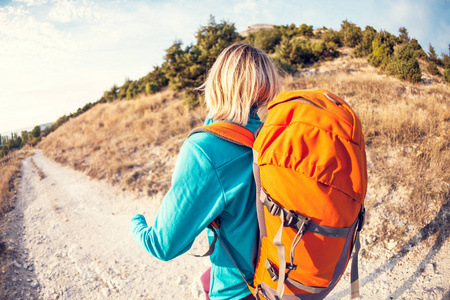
x=241, y=77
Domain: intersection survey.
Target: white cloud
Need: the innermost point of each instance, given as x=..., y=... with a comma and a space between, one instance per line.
x=31, y=2
x=66, y=11
x=21, y=34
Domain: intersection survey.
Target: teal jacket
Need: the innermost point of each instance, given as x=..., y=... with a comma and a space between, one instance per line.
x=212, y=178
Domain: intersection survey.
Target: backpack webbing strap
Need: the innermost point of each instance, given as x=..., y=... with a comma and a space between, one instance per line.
x=354, y=276
x=282, y=258
x=299, y=222
x=228, y=131
x=304, y=287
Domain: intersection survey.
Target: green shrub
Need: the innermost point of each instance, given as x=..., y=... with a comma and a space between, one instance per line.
x=380, y=55
x=265, y=40
x=350, y=33
x=364, y=48
x=447, y=75
x=151, y=88
x=284, y=66
x=306, y=30
x=433, y=69
x=288, y=31
x=332, y=36
x=36, y=132
x=295, y=52
x=191, y=98
x=418, y=51
x=404, y=65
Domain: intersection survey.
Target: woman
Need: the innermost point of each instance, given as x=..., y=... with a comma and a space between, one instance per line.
x=213, y=178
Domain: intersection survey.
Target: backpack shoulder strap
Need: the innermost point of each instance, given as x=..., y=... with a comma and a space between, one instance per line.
x=228, y=131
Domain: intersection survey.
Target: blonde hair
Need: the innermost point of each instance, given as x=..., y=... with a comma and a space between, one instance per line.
x=241, y=77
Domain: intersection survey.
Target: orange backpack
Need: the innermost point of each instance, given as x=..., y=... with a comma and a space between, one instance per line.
x=311, y=177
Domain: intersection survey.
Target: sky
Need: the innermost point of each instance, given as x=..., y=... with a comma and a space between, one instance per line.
x=58, y=55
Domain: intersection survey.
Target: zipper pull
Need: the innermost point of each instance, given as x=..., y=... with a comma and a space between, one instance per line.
x=331, y=99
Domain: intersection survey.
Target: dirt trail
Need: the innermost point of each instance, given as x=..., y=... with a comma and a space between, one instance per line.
x=71, y=239
x=73, y=232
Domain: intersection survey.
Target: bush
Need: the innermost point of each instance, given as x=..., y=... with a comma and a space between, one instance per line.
x=36, y=132
x=296, y=52
x=404, y=65
x=418, y=51
x=433, y=69
x=265, y=40
x=350, y=33
x=191, y=98
x=380, y=55
x=447, y=75
x=151, y=88
x=285, y=66
x=364, y=48
x=306, y=30
x=406, y=69
x=332, y=36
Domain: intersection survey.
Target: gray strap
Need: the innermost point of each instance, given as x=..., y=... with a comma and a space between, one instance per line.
x=304, y=287
x=281, y=256
x=299, y=220
x=255, y=156
x=354, y=276
x=328, y=231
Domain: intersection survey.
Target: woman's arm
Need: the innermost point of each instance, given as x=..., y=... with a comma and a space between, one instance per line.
x=195, y=199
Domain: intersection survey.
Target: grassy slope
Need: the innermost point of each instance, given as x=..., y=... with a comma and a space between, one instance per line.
x=406, y=127
x=129, y=143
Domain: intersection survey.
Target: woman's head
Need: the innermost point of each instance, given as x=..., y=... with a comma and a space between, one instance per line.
x=241, y=77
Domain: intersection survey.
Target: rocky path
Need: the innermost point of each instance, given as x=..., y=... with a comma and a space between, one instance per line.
x=70, y=240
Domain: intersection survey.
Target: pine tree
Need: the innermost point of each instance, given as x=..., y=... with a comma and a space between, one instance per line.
x=432, y=56
x=403, y=36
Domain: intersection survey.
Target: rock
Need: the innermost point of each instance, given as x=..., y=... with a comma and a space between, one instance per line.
x=16, y=264
x=391, y=245
x=25, y=266
x=106, y=292
x=430, y=269
x=34, y=284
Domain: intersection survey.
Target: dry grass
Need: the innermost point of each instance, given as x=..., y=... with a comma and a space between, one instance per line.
x=9, y=177
x=129, y=143
x=133, y=144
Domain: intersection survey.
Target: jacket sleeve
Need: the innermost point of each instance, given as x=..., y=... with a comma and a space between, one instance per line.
x=195, y=199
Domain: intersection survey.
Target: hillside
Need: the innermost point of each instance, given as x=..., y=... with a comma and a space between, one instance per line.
x=131, y=147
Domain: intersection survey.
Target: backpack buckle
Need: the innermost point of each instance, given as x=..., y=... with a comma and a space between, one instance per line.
x=275, y=209
x=273, y=274
x=289, y=219
x=302, y=223
x=296, y=221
